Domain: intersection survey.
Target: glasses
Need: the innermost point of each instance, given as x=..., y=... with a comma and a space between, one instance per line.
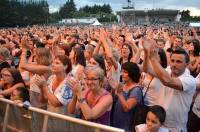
x=5, y=75
x=91, y=79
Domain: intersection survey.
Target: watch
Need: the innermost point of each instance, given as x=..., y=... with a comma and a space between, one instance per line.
x=81, y=100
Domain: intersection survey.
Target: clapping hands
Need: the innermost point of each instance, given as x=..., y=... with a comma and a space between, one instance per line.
x=40, y=81
x=75, y=85
x=119, y=89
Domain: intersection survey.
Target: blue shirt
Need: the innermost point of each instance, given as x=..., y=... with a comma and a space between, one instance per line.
x=121, y=118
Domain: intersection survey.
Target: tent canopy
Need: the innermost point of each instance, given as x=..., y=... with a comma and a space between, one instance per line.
x=96, y=23
x=195, y=24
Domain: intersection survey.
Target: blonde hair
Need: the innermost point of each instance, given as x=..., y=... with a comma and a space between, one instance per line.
x=43, y=56
x=5, y=52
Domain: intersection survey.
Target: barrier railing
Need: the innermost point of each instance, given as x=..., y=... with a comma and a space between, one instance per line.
x=18, y=117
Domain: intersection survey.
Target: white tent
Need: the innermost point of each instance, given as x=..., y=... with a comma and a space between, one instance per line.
x=96, y=23
x=195, y=24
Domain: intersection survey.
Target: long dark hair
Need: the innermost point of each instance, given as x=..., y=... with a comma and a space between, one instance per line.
x=100, y=60
x=16, y=75
x=24, y=93
x=196, y=45
x=133, y=71
x=163, y=58
x=130, y=54
x=79, y=56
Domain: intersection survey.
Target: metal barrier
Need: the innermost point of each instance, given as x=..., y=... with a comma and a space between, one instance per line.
x=19, y=118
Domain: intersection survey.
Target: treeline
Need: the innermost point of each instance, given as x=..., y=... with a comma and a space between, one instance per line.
x=185, y=16
x=97, y=9
x=21, y=13
x=102, y=12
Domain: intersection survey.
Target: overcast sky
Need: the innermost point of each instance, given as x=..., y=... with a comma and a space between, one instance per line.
x=192, y=5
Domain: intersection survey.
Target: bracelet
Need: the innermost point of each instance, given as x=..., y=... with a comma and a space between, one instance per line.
x=81, y=100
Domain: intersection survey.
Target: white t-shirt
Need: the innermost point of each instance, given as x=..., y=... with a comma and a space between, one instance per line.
x=196, y=106
x=114, y=74
x=151, y=97
x=177, y=103
x=63, y=93
x=143, y=128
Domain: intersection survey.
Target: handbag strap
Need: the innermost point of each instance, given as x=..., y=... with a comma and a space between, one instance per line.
x=129, y=92
x=148, y=86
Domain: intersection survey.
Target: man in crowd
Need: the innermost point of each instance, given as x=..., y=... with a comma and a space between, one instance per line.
x=177, y=87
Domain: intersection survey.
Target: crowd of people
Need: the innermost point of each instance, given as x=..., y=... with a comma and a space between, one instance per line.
x=105, y=74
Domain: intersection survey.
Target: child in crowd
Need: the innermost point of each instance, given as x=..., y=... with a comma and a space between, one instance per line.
x=154, y=120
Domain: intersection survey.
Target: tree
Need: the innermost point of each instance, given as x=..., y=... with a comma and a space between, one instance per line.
x=106, y=8
x=55, y=17
x=22, y=13
x=185, y=15
x=68, y=9
x=102, y=13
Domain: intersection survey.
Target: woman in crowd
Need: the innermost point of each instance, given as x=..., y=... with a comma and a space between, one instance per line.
x=129, y=51
x=5, y=56
x=97, y=60
x=40, y=67
x=126, y=54
x=194, y=50
x=78, y=62
x=129, y=95
x=55, y=90
x=113, y=66
x=11, y=79
x=94, y=102
x=151, y=89
x=88, y=52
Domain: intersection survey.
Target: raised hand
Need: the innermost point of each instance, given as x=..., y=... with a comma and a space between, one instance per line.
x=24, y=42
x=146, y=44
x=153, y=50
x=103, y=35
x=129, y=37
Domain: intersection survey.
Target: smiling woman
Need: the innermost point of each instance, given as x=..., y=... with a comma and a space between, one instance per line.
x=11, y=79
x=129, y=95
x=94, y=102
